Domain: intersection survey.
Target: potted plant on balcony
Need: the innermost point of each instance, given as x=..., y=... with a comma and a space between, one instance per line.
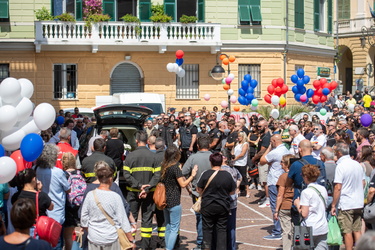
x=66, y=17
x=43, y=14
x=134, y=25
x=158, y=15
x=188, y=19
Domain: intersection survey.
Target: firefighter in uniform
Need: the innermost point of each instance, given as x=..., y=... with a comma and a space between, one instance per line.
x=142, y=173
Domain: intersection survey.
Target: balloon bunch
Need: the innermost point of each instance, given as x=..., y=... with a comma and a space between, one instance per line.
x=322, y=89
x=176, y=67
x=275, y=90
x=18, y=129
x=301, y=94
x=246, y=92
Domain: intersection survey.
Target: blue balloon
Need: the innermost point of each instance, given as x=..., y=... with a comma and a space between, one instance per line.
x=306, y=79
x=250, y=90
x=295, y=89
x=300, y=73
x=180, y=61
x=307, y=100
x=253, y=83
x=300, y=83
x=325, y=91
x=294, y=78
x=309, y=93
x=60, y=120
x=242, y=100
x=301, y=90
x=249, y=97
x=241, y=92
x=31, y=147
x=247, y=77
x=245, y=84
x=297, y=97
x=2, y=151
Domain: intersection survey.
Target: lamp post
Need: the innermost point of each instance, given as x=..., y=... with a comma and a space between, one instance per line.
x=218, y=73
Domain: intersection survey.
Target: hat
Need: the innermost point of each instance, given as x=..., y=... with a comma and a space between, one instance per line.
x=290, y=121
x=172, y=109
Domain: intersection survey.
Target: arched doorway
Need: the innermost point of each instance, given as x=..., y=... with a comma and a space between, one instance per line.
x=345, y=67
x=126, y=77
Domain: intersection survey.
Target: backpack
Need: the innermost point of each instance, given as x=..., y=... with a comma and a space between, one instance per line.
x=84, y=143
x=77, y=188
x=160, y=197
x=322, y=179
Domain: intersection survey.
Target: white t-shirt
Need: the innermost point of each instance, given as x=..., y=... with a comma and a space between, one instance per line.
x=295, y=142
x=274, y=157
x=320, y=140
x=350, y=174
x=317, y=209
x=237, y=150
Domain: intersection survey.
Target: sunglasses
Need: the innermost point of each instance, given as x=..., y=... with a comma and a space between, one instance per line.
x=181, y=117
x=330, y=125
x=159, y=119
x=203, y=127
x=211, y=124
x=259, y=126
x=186, y=120
x=316, y=129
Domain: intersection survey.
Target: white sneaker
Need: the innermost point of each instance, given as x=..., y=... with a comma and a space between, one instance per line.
x=252, y=186
x=260, y=187
x=266, y=203
x=261, y=201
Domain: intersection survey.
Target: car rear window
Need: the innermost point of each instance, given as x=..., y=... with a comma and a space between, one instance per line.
x=120, y=114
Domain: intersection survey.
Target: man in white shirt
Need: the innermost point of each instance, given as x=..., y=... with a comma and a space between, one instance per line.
x=318, y=141
x=297, y=138
x=348, y=194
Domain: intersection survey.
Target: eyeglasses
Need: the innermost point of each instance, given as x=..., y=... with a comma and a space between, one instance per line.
x=181, y=117
x=335, y=111
x=330, y=125
x=159, y=119
x=316, y=129
x=203, y=127
x=211, y=124
x=166, y=118
x=259, y=126
x=186, y=120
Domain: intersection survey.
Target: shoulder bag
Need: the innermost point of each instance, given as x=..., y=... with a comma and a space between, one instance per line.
x=123, y=239
x=45, y=227
x=369, y=212
x=197, y=205
x=160, y=197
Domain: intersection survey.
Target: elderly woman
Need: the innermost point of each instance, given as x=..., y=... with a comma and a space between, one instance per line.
x=54, y=182
x=312, y=206
x=101, y=233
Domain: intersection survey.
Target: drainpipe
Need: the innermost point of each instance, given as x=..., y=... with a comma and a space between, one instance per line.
x=286, y=38
x=337, y=40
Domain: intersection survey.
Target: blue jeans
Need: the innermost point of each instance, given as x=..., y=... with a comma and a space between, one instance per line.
x=172, y=218
x=272, y=192
x=231, y=229
x=199, y=225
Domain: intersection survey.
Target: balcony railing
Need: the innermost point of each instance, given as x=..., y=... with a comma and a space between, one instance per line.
x=354, y=25
x=115, y=33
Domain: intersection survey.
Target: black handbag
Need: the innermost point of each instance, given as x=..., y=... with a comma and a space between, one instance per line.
x=369, y=213
x=303, y=237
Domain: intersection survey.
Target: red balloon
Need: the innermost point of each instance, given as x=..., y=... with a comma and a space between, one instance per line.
x=319, y=92
x=333, y=85
x=274, y=83
x=316, y=84
x=271, y=89
x=20, y=162
x=278, y=91
x=280, y=82
x=179, y=54
x=323, y=98
x=326, y=85
x=323, y=81
x=316, y=99
x=282, y=105
x=284, y=89
x=267, y=98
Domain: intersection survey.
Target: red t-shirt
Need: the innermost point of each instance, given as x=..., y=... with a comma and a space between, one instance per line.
x=64, y=148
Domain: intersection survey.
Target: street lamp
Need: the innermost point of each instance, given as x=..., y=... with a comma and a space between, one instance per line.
x=218, y=73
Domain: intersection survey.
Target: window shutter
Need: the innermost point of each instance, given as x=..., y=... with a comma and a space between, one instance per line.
x=201, y=11
x=255, y=11
x=170, y=9
x=78, y=10
x=316, y=15
x=299, y=16
x=4, y=9
x=109, y=8
x=144, y=10
x=330, y=16
x=244, y=11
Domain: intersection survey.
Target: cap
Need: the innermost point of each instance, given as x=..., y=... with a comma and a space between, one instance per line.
x=172, y=109
x=290, y=120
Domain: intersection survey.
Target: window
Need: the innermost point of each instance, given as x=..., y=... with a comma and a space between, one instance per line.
x=344, y=9
x=323, y=15
x=126, y=7
x=4, y=10
x=4, y=71
x=177, y=8
x=249, y=12
x=188, y=87
x=109, y=8
x=299, y=14
x=144, y=10
x=254, y=71
x=297, y=67
x=64, y=81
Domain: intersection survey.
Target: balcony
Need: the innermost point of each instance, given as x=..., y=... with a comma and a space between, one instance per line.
x=113, y=36
x=354, y=26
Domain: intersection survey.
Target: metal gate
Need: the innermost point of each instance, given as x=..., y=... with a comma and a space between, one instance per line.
x=126, y=78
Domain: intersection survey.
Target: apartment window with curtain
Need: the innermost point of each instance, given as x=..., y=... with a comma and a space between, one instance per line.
x=323, y=16
x=177, y=8
x=344, y=9
x=188, y=87
x=249, y=12
x=65, y=81
x=4, y=71
x=254, y=71
x=299, y=14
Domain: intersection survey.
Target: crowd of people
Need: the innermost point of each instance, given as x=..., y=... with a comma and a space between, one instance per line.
x=305, y=171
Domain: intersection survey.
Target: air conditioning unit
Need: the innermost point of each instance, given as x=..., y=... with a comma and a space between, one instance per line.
x=359, y=71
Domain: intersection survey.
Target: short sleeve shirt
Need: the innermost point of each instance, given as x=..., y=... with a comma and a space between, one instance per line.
x=43, y=200
x=264, y=141
x=4, y=189
x=172, y=187
x=286, y=202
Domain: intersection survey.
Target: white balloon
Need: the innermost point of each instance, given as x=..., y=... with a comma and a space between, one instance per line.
x=170, y=67
x=24, y=109
x=12, y=142
x=207, y=97
x=30, y=127
x=8, y=169
x=230, y=92
x=8, y=117
x=27, y=87
x=181, y=73
x=275, y=100
x=233, y=99
x=275, y=113
x=224, y=104
x=10, y=90
x=175, y=67
x=44, y=116
x=231, y=76
x=253, y=107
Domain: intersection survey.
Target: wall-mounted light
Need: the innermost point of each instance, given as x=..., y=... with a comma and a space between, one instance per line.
x=128, y=57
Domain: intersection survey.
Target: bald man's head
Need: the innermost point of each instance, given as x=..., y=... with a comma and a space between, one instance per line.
x=305, y=148
x=276, y=140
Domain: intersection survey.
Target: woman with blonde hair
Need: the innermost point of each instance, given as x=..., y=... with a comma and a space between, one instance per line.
x=239, y=152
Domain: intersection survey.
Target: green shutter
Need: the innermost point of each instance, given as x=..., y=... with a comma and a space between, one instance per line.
x=244, y=11
x=4, y=9
x=144, y=10
x=299, y=15
x=170, y=9
x=109, y=8
x=256, y=15
x=79, y=10
x=243, y=2
x=316, y=15
x=329, y=16
x=201, y=11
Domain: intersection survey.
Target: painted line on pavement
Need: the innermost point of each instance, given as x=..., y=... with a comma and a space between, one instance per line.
x=255, y=211
x=257, y=225
x=255, y=245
